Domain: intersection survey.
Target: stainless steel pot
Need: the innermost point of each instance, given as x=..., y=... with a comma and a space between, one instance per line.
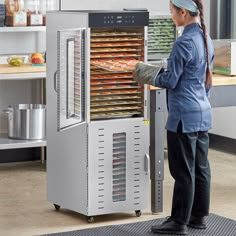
x=27, y=121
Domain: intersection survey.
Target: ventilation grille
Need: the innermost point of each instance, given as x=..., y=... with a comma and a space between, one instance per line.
x=119, y=167
x=137, y=165
x=101, y=168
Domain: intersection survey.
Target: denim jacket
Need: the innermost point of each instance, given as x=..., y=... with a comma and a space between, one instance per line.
x=184, y=79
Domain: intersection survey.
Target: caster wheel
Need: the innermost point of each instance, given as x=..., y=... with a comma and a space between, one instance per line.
x=90, y=219
x=138, y=213
x=57, y=207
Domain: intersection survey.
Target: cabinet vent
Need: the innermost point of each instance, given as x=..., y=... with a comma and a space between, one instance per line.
x=101, y=169
x=137, y=165
x=119, y=167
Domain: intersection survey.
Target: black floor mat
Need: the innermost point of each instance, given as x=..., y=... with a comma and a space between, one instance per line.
x=216, y=226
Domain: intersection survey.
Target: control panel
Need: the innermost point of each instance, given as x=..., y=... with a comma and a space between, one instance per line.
x=118, y=19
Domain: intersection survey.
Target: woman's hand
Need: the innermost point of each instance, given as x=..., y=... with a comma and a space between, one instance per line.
x=145, y=73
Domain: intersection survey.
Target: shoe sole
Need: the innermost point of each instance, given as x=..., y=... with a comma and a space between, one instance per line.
x=197, y=226
x=169, y=232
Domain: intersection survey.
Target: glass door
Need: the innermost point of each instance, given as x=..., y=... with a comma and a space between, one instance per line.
x=71, y=81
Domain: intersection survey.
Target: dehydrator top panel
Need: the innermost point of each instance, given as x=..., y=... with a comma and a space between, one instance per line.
x=118, y=19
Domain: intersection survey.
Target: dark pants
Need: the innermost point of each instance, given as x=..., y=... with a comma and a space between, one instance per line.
x=189, y=166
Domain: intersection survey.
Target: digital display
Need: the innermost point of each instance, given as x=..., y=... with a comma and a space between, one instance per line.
x=118, y=18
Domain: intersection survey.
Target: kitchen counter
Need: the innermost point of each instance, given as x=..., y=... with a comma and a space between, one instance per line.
x=26, y=71
x=223, y=80
x=221, y=95
x=218, y=80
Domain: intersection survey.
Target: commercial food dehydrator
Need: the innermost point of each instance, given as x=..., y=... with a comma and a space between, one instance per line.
x=97, y=127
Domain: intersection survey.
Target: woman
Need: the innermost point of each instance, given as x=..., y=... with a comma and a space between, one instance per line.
x=187, y=79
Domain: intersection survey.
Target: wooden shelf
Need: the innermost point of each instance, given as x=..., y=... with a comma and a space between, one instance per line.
x=23, y=72
x=7, y=143
x=24, y=76
x=23, y=29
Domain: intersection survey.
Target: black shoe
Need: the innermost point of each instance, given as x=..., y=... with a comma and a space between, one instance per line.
x=197, y=222
x=170, y=227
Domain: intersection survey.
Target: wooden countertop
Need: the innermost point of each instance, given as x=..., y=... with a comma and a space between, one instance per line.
x=218, y=80
x=221, y=80
x=25, y=68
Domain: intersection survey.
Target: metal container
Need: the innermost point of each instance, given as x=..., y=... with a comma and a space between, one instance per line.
x=27, y=121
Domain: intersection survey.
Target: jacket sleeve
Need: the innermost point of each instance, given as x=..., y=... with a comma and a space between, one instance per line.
x=179, y=57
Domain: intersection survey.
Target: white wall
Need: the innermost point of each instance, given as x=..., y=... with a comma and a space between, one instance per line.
x=161, y=6
x=156, y=5
x=224, y=122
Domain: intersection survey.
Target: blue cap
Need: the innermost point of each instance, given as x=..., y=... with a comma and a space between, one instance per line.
x=189, y=5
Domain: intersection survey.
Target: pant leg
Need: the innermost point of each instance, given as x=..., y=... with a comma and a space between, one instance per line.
x=181, y=157
x=202, y=177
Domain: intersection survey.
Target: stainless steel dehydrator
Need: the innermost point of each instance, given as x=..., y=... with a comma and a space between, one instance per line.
x=97, y=123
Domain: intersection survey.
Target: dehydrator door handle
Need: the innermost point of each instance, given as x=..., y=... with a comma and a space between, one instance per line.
x=146, y=164
x=55, y=81
x=7, y=111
